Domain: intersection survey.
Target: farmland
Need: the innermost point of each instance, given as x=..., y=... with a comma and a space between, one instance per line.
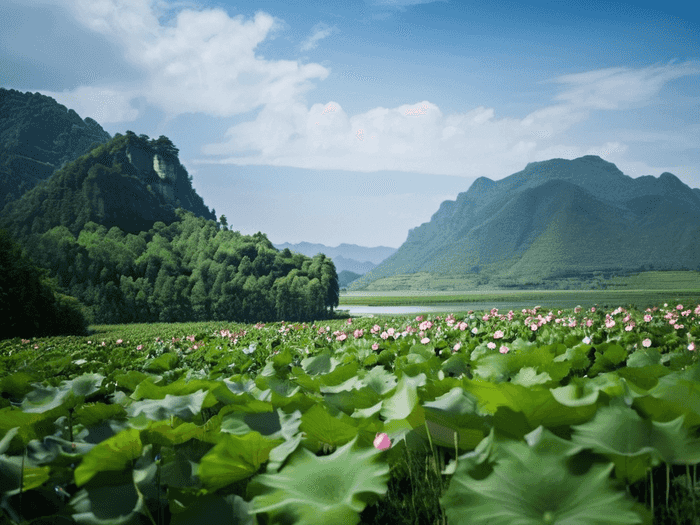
x=419, y=419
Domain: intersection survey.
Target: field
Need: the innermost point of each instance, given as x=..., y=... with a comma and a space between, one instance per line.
x=468, y=418
x=483, y=283
x=640, y=290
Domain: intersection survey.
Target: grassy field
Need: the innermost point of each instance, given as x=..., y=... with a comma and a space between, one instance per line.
x=457, y=284
x=642, y=290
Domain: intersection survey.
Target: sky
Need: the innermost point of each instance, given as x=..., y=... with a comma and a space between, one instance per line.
x=351, y=121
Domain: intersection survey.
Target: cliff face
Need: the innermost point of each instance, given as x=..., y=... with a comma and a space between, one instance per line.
x=130, y=182
x=37, y=136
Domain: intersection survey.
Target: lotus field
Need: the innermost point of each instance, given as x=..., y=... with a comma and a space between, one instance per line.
x=534, y=417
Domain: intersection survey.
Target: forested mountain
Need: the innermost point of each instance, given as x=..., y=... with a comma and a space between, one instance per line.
x=555, y=218
x=130, y=182
x=190, y=270
x=121, y=229
x=37, y=136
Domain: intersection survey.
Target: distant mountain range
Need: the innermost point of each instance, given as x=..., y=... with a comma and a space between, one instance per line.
x=555, y=218
x=349, y=258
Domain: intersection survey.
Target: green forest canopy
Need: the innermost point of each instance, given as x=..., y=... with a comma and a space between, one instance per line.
x=191, y=270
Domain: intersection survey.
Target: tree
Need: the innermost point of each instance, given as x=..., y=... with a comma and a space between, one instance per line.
x=29, y=304
x=224, y=222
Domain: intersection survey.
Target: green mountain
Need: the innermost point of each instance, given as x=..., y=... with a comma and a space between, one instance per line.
x=117, y=235
x=37, y=136
x=554, y=219
x=130, y=182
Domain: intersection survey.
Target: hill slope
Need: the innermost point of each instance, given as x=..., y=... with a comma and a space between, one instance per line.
x=130, y=182
x=555, y=218
x=37, y=136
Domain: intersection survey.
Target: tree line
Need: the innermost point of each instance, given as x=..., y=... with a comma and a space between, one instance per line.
x=191, y=270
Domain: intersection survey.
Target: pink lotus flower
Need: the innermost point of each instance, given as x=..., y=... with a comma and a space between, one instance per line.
x=140, y=347
x=375, y=346
x=504, y=349
x=457, y=347
x=341, y=337
x=419, y=318
x=384, y=335
x=647, y=342
x=119, y=341
x=491, y=345
x=587, y=340
x=498, y=334
x=463, y=326
x=425, y=340
x=691, y=347
x=382, y=441
x=358, y=333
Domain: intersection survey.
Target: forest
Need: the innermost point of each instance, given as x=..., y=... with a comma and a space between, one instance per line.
x=191, y=270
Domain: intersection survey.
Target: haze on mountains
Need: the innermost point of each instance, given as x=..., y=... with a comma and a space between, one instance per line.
x=351, y=261
x=121, y=229
x=554, y=219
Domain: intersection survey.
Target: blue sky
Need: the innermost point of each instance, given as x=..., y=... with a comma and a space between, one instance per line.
x=266, y=100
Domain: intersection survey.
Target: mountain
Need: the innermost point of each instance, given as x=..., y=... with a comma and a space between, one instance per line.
x=130, y=182
x=346, y=257
x=556, y=218
x=345, y=277
x=37, y=136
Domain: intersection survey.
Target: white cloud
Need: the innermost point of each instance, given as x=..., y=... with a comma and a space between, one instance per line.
x=105, y=105
x=319, y=32
x=201, y=61
x=621, y=88
x=420, y=138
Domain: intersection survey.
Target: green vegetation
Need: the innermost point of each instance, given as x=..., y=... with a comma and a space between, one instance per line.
x=37, y=136
x=191, y=270
x=557, y=223
x=612, y=280
x=467, y=419
x=29, y=303
x=104, y=187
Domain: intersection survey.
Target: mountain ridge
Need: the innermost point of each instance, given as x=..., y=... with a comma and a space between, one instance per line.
x=493, y=226
x=130, y=182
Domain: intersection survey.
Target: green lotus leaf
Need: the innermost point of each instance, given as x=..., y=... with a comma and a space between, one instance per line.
x=113, y=454
x=235, y=458
x=111, y=505
x=530, y=487
x=184, y=407
x=212, y=509
x=320, y=490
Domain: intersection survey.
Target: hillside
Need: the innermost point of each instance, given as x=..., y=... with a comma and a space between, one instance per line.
x=37, y=136
x=556, y=218
x=130, y=182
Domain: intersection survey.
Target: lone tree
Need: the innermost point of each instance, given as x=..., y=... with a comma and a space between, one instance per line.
x=223, y=222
